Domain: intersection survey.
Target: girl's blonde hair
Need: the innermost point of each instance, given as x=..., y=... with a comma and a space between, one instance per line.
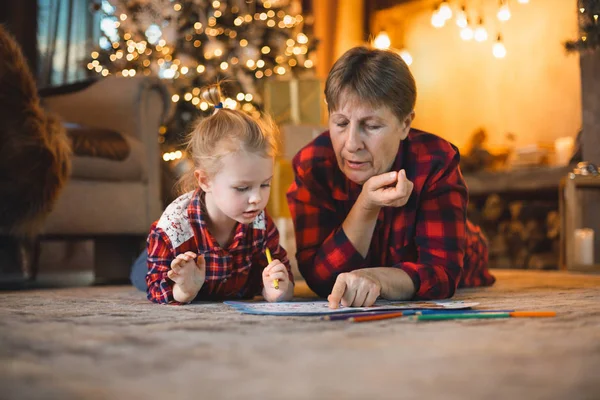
x=225, y=131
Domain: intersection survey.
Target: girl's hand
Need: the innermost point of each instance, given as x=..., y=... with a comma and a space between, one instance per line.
x=391, y=189
x=276, y=270
x=187, y=273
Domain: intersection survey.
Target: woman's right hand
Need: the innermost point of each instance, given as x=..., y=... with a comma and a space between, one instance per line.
x=188, y=274
x=391, y=189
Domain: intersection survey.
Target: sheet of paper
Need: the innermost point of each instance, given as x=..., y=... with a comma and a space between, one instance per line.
x=308, y=308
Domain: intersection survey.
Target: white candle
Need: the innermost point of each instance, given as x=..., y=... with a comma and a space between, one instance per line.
x=584, y=246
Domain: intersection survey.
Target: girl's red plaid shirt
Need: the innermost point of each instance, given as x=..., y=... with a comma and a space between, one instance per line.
x=234, y=272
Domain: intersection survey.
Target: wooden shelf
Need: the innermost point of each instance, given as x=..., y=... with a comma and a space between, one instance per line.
x=526, y=180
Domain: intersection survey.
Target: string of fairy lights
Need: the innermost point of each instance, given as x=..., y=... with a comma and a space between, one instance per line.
x=206, y=49
x=469, y=22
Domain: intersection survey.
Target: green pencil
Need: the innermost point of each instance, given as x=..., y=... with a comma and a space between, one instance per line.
x=438, y=317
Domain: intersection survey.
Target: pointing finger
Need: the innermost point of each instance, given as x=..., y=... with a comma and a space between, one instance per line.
x=337, y=292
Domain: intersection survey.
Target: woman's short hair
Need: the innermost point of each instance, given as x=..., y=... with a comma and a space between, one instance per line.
x=378, y=77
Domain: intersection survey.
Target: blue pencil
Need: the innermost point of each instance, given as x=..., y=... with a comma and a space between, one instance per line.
x=348, y=315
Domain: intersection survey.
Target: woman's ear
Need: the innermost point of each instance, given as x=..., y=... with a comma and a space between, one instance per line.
x=406, y=123
x=203, y=180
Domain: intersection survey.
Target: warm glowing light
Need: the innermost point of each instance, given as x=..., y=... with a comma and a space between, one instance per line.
x=200, y=69
x=177, y=7
x=461, y=18
x=265, y=50
x=95, y=54
x=307, y=64
x=523, y=1
x=480, y=34
x=466, y=33
x=445, y=11
x=437, y=20
x=224, y=65
x=406, y=56
x=382, y=41
x=288, y=20
x=240, y=96
x=503, y=12
x=302, y=38
x=248, y=97
x=499, y=50
x=184, y=70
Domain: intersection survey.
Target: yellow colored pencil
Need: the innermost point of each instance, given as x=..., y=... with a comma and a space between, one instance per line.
x=270, y=260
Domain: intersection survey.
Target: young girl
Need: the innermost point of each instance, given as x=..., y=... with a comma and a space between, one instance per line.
x=211, y=242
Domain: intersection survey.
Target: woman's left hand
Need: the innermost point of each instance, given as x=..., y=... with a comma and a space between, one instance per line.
x=359, y=288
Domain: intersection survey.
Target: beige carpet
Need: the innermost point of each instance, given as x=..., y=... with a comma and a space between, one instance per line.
x=110, y=343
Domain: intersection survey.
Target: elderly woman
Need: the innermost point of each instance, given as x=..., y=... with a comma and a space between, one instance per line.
x=379, y=208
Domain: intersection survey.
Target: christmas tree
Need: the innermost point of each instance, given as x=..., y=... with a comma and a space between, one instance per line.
x=192, y=43
x=589, y=27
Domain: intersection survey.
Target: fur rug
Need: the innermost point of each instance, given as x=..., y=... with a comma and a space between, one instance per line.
x=34, y=149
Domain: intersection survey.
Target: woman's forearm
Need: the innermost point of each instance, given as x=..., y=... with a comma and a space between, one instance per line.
x=359, y=226
x=395, y=283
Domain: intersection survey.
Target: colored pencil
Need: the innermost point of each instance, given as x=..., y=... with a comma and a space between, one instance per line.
x=439, y=317
x=376, y=317
x=351, y=314
x=270, y=260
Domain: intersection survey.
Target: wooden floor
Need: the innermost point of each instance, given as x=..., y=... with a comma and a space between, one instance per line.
x=110, y=343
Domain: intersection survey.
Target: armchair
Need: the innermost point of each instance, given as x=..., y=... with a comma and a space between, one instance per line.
x=111, y=200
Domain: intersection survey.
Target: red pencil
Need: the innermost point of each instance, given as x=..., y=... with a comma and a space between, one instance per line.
x=375, y=317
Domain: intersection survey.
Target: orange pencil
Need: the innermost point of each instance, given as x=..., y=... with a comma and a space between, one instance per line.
x=532, y=314
x=270, y=260
x=375, y=317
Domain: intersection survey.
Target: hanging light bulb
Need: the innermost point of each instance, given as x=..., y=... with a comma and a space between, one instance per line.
x=466, y=33
x=445, y=11
x=499, y=50
x=461, y=17
x=480, y=33
x=382, y=41
x=503, y=11
x=406, y=56
x=437, y=20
